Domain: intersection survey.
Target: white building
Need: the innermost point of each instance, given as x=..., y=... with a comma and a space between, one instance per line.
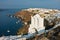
x=37, y=23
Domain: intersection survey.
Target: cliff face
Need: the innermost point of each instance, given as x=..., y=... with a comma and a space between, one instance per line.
x=23, y=30
x=24, y=15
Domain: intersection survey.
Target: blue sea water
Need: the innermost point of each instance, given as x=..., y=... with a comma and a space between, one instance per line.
x=8, y=25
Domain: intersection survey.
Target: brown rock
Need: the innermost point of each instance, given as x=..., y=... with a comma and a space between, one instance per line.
x=23, y=30
x=24, y=15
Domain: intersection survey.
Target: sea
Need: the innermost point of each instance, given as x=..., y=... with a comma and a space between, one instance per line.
x=8, y=25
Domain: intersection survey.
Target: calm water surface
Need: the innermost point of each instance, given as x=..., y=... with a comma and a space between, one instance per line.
x=8, y=25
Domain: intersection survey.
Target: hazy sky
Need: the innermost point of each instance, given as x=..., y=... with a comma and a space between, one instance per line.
x=30, y=3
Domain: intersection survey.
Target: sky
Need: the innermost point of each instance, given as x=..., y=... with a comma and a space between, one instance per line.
x=4, y=4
